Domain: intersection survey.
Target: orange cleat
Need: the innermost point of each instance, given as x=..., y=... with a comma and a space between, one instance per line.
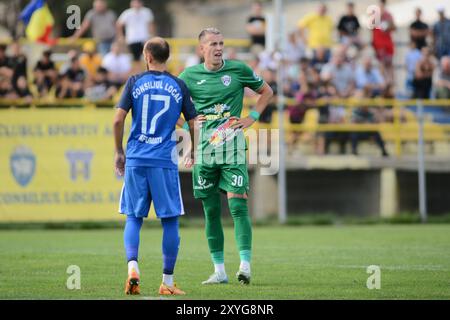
x=132, y=283
x=167, y=290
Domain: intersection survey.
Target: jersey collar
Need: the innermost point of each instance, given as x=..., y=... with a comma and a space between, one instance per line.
x=223, y=66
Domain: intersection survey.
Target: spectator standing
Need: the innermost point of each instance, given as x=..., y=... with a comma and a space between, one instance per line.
x=118, y=65
x=102, y=23
x=423, y=76
x=382, y=42
x=139, y=25
x=419, y=30
x=320, y=27
x=441, y=35
x=348, y=27
x=443, y=80
x=256, y=28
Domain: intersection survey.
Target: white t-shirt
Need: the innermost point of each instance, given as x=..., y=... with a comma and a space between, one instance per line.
x=136, y=24
x=117, y=63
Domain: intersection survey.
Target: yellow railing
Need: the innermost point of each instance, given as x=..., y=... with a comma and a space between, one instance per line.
x=398, y=131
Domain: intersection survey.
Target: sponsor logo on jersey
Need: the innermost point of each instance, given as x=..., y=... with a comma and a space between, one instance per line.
x=201, y=81
x=224, y=133
x=226, y=80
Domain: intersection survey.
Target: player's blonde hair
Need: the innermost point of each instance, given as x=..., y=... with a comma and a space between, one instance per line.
x=206, y=31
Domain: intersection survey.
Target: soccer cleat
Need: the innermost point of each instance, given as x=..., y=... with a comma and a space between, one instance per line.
x=243, y=277
x=216, y=278
x=168, y=290
x=132, y=283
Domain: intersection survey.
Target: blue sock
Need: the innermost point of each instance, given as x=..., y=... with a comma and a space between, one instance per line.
x=131, y=237
x=170, y=243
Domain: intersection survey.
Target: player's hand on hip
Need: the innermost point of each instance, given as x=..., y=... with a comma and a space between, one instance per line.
x=119, y=163
x=189, y=160
x=199, y=120
x=243, y=123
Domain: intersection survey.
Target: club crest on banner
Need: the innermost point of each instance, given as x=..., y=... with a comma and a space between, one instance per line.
x=23, y=165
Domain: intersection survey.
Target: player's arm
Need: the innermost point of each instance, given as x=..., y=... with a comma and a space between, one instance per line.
x=265, y=95
x=123, y=107
x=118, y=128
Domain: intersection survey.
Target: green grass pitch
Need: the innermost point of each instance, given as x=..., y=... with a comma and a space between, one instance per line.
x=311, y=262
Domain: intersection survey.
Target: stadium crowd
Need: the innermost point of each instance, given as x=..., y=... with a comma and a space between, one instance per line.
x=315, y=66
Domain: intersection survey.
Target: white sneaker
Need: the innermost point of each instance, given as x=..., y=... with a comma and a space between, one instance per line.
x=243, y=276
x=216, y=278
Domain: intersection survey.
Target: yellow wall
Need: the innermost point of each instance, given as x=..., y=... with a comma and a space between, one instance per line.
x=37, y=151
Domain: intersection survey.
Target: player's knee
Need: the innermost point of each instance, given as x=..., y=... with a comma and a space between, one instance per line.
x=231, y=195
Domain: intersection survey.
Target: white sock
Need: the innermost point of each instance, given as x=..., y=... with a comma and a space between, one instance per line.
x=220, y=267
x=133, y=265
x=245, y=266
x=168, y=279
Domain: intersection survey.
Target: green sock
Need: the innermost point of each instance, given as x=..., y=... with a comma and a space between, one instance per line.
x=245, y=255
x=213, y=227
x=242, y=225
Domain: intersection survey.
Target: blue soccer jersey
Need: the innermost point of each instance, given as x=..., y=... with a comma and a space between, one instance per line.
x=156, y=100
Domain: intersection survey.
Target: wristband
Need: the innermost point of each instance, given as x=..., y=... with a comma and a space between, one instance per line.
x=185, y=126
x=254, y=115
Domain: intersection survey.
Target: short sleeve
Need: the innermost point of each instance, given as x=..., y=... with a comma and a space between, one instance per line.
x=187, y=108
x=89, y=15
x=250, y=79
x=123, y=17
x=305, y=21
x=126, y=100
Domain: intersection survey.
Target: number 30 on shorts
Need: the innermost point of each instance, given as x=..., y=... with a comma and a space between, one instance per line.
x=237, y=181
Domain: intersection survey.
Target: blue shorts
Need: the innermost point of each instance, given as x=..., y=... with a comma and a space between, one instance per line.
x=144, y=184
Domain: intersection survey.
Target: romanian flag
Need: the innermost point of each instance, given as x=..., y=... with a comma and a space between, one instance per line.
x=39, y=22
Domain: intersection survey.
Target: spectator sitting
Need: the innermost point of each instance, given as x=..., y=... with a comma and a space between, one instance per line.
x=365, y=115
x=348, y=27
x=320, y=58
x=75, y=77
x=443, y=81
x=423, y=76
x=419, y=30
x=6, y=89
x=90, y=60
x=369, y=81
x=340, y=74
x=5, y=63
x=18, y=62
x=139, y=27
x=102, y=22
x=441, y=32
x=45, y=73
x=412, y=57
x=320, y=29
x=21, y=89
x=118, y=65
x=256, y=28
x=101, y=89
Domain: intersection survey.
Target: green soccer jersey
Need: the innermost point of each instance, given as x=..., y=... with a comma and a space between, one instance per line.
x=219, y=95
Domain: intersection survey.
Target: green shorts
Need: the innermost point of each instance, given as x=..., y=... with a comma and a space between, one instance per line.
x=226, y=177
